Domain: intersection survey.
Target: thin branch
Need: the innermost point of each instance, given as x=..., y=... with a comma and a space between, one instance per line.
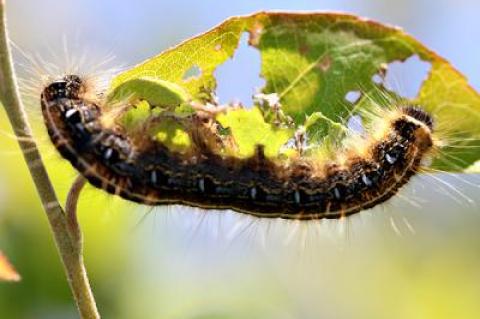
x=68, y=243
x=71, y=207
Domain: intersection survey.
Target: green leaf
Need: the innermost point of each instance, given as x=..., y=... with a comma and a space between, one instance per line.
x=156, y=92
x=138, y=115
x=172, y=134
x=311, y=61
x=262, y=134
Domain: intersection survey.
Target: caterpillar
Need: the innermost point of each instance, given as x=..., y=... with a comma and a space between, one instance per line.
x=151, y=174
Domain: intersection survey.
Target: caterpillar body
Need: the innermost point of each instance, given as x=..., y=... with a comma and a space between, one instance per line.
x=151, y=174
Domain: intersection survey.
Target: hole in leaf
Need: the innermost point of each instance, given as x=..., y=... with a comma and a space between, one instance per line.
x=406, y=77
x=354, y=124
x=377, y=79
x=238, y=78
x=353, y=96
x=193, y=72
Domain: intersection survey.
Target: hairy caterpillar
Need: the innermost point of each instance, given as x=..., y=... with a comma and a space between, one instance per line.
x=151, y=174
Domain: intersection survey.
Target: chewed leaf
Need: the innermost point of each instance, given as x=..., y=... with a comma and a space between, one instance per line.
x=7, y=272
x=311, y=61
x=262, y=133
x=156, y=92
x=203, y=53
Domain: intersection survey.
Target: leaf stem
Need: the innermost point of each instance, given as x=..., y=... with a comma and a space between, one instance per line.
x=67, y=239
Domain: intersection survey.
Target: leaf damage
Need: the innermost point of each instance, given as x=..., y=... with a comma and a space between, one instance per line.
x=311, y=61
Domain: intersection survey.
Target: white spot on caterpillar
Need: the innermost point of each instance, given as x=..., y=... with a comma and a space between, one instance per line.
x=390, y=159
x=108, y=153
x=336, y=193
x=297, y=197
x=201, y=184
x=70, y=113
x=367, y=181
x=253, y=192
x=153, y=177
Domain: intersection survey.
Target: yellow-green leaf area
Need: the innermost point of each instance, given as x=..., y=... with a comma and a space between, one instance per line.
x=166, y=130
x=261, y=133
x=456, y=107
x=156, y=92
x=173, y=135
x=203, y=53
x=137, y=115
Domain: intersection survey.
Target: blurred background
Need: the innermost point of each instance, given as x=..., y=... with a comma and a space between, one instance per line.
x=418, y=256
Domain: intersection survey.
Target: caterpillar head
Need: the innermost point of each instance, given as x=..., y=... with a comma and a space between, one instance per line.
x=417, y=126
x=420, y=115
x=68, y=87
